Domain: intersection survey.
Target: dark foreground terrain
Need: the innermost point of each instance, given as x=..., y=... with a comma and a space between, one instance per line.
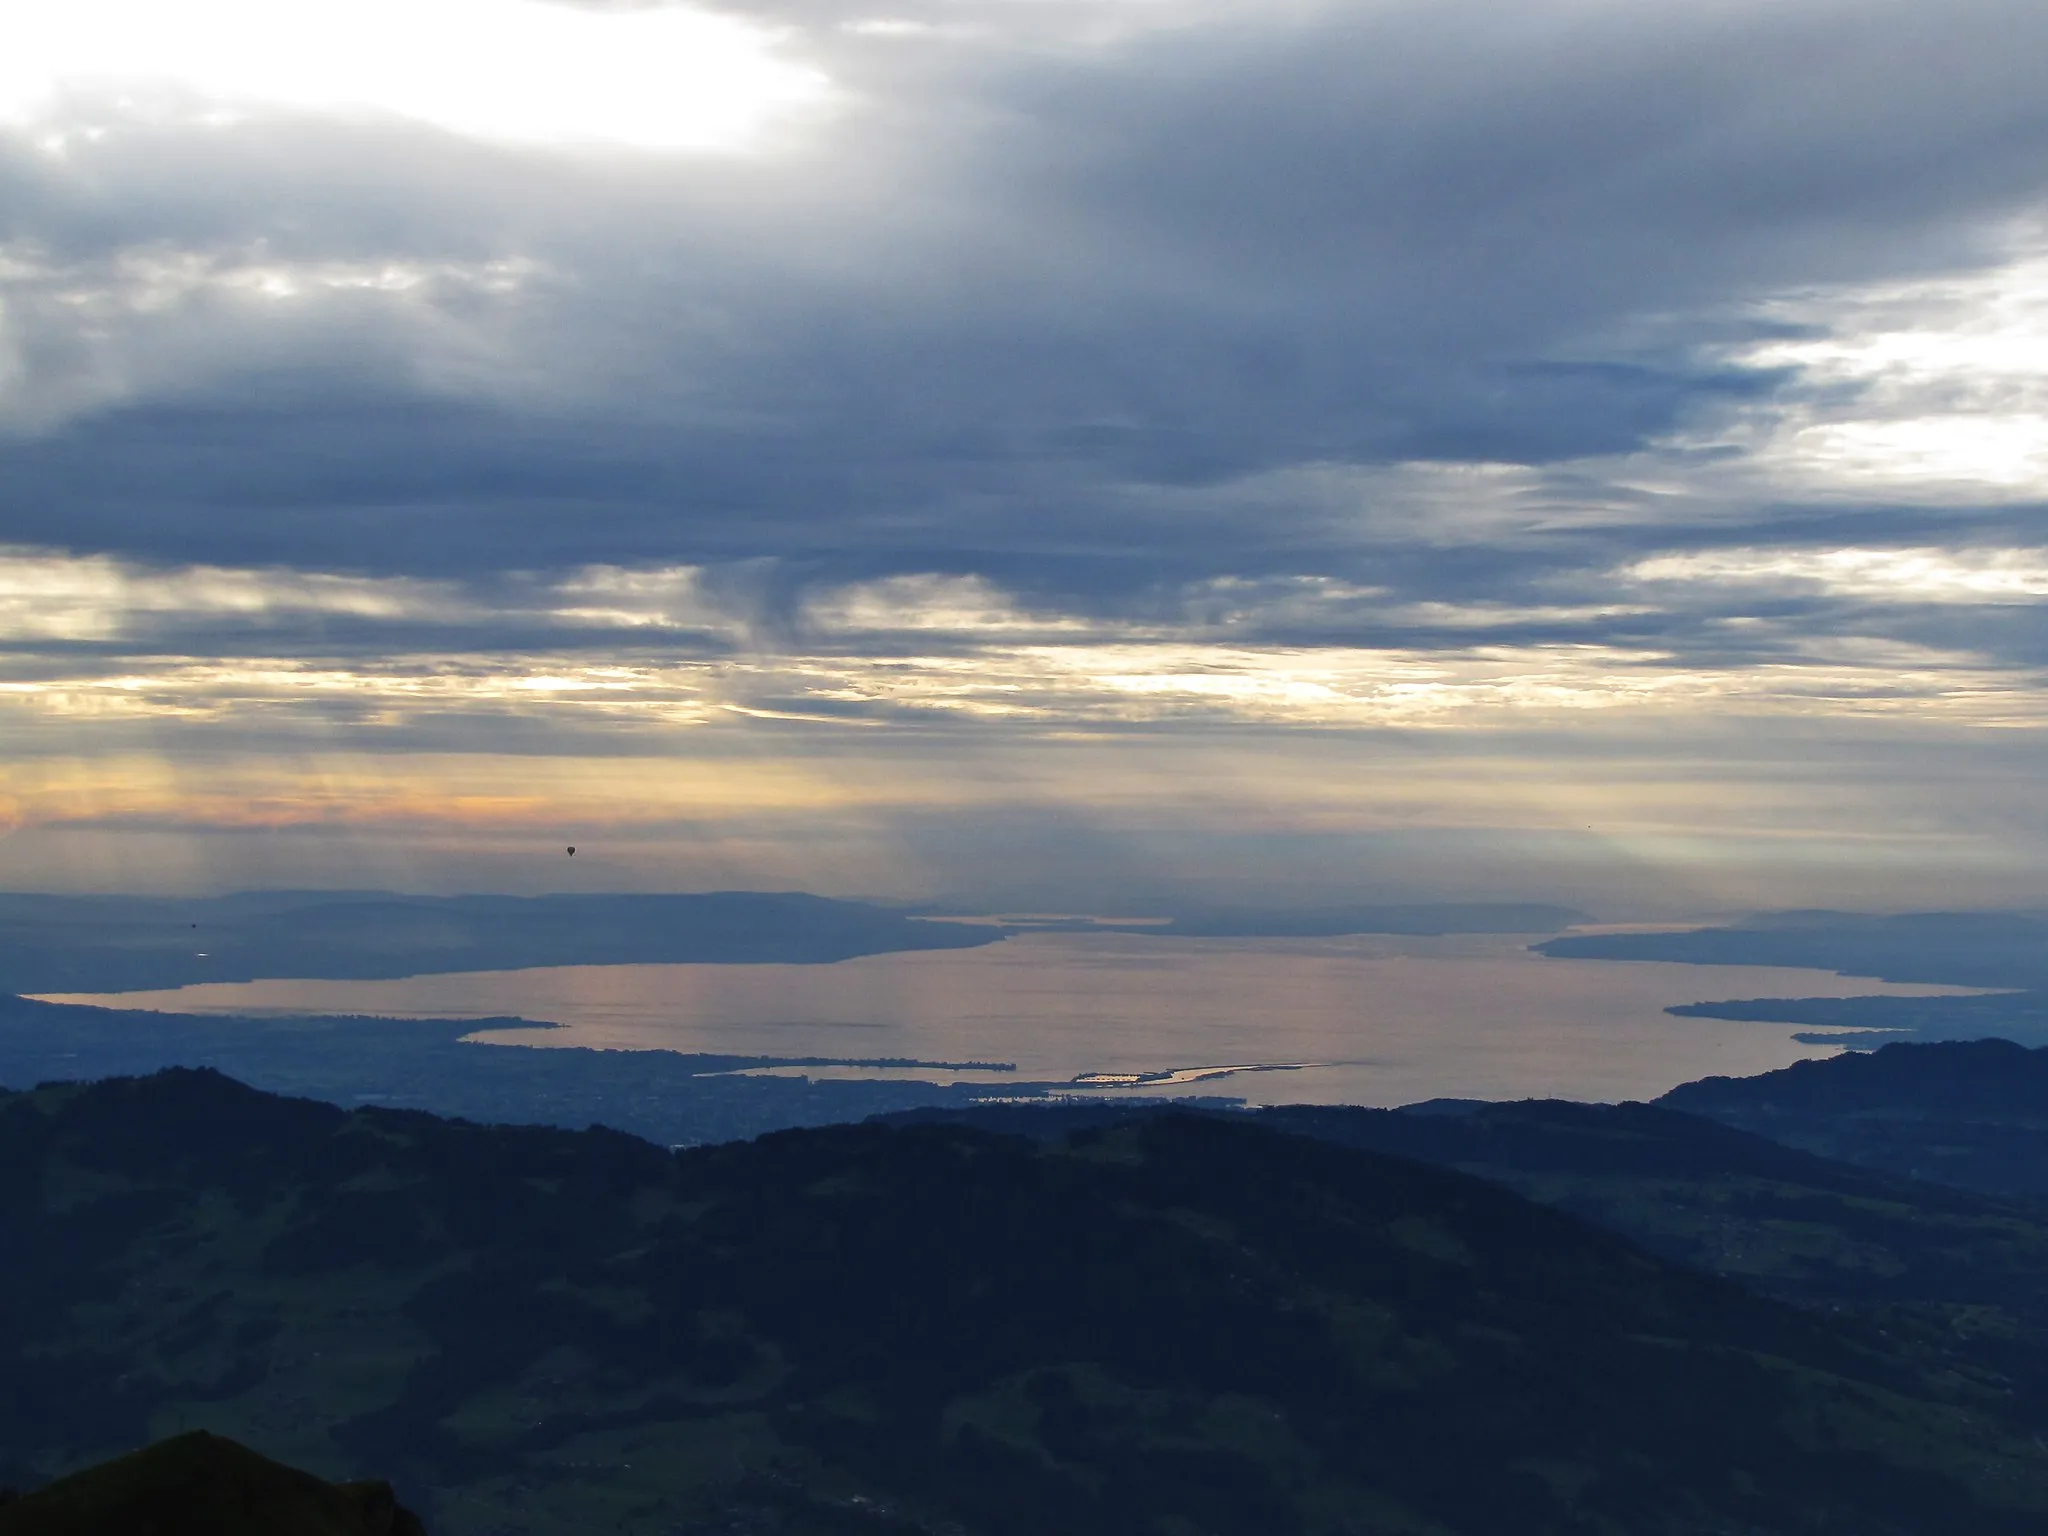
x=1956, y=1277
x=199, y=1484
x=1181, y=1324
x=1973, y=1114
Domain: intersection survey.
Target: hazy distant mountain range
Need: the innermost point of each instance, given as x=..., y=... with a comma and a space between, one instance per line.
x=2003, y=950
x=111, y=944
x=1965, y=949
x=135, y=943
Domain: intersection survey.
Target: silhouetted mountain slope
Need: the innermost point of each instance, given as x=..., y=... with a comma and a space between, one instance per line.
x=203, y=1485
x=1724, y=1200
x=1964, y=1277
x=1967, y=1113
x=1957, y=1278
x=1179, y=1325
x=1992, y=1078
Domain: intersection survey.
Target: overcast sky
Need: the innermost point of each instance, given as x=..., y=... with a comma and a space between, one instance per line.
x=1030, y=451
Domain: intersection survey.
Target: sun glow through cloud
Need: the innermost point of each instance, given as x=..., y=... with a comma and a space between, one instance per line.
x=1936, y=387
x=675, y=653
x=1925, y=575
x=451, y=413
x=661, y=78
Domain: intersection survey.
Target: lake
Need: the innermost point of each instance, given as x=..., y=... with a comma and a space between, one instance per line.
x=1361, y=1020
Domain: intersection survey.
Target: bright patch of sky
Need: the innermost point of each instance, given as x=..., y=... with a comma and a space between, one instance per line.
x=1926, y=575
x=467, y=382
x=1935, y=388
x=656, y=78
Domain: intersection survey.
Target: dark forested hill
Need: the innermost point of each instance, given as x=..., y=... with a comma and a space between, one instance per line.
x=1178, y=1325
x=1968, y=1113
x=1960, y=1277
x=1691, y=1188
x=199, y=1484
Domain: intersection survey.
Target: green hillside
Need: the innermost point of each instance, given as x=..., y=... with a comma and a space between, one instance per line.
x=1181, y=1325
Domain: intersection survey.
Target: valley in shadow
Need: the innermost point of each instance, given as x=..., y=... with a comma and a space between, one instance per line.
x=1170, y=1322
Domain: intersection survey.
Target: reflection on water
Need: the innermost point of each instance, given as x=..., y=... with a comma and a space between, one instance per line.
x=1375, y=1020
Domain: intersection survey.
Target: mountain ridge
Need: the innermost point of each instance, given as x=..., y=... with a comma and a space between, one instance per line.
x=1180, y=1324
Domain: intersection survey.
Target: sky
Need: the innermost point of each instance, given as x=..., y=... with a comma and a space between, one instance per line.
x=1068, y=454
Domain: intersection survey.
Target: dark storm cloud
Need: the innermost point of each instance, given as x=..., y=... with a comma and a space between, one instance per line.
x=1044, y=303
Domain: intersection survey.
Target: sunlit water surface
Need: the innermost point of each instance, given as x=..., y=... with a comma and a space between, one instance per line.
x=1364, y=1020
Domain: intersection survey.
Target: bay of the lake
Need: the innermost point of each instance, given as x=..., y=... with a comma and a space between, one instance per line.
x=1361, y=1020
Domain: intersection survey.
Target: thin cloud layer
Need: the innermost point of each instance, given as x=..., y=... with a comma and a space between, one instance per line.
x=997, y=371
